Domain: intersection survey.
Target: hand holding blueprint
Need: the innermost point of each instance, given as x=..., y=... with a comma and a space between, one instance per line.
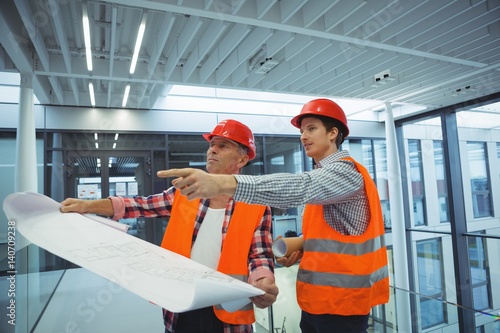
x=162, y=277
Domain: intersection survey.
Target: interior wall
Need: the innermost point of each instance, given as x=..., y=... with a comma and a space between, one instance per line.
x=75, y=118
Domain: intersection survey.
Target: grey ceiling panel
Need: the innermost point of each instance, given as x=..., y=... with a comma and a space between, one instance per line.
x=325, y=48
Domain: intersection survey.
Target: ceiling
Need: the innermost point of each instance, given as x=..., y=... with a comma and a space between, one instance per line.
x=429, y=53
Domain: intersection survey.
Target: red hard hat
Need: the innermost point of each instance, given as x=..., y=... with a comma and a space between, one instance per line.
x=322, y=107
x=236, y=131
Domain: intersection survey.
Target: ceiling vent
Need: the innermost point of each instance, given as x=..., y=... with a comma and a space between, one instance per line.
x=461, y=91
x=259, y=63
x=382, y=78
x=266, y=66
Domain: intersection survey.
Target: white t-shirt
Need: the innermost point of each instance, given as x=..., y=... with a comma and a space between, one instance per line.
x=207, y=247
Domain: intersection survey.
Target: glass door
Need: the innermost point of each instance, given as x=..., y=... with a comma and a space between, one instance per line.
x=99, y=174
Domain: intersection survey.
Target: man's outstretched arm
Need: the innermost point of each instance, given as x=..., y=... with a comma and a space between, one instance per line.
x=196, y=183
x=101, y=206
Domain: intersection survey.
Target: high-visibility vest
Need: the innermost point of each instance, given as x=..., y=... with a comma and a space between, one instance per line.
x=236, y=246
x=343, y=274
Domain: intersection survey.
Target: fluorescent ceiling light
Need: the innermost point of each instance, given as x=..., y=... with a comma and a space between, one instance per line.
x=124, y=102
x=116, y=136
x=91, y=91
x=86, y=35
x=138, y=43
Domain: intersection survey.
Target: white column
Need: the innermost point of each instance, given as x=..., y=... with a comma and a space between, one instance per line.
x=398, y=226
x=26, y=178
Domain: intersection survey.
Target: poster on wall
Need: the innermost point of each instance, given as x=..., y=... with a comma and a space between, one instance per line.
x=121, y=189
x=132, y=189
x=88, y=191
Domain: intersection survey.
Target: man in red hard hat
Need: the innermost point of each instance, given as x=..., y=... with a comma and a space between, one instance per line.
x=343, y=270
x=233, y=237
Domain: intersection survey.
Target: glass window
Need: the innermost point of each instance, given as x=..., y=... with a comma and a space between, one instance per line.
x=381, y=178
x=284, y=154
x=441, y=181
x=372, y=154
x=384, y=316
x=187, y=151
x=430, y=282
x=256, y=166
x=479, y=272
x=417, y=182
x=479, y=179
x=498, y=156
x=361, y=151
x=7, y=176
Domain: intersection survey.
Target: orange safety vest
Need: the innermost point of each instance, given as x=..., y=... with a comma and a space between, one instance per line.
x=236, y=245
x=343, y=274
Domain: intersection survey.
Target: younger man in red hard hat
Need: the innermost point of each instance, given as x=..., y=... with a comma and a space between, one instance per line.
x=343, y=270
x=234, y=238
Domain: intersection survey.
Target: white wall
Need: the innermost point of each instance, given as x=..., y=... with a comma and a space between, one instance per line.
x=73, y=118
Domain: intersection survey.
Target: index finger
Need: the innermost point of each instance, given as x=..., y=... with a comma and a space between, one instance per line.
x=173, y=173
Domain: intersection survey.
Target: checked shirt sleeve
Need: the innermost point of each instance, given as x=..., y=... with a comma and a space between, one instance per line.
x=283, y=190
x=261, y=260
x=154, y=205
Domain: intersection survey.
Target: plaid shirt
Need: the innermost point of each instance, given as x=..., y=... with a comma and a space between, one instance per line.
x=260, y=255
x=334, y=183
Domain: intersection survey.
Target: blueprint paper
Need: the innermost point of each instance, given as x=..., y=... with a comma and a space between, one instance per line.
x=162, y=277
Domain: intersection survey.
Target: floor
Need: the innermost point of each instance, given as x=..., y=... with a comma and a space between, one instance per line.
x=85, y=303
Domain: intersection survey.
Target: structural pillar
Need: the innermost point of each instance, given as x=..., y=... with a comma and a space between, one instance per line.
x=401, y=269
x=26, y=178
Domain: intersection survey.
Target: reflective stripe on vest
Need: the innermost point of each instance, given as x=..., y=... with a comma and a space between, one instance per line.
x=235, y=249
x=343, y=274
x=325, y=245
x=343, y=280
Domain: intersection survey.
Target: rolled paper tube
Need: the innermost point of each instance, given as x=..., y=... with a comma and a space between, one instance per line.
x=283, y=247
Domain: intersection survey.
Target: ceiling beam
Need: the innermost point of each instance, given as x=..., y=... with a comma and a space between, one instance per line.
x=60, y=33
x=205, y=44
x=335, y=17
x=167, y=22
x=16, y=46
x=263, y=6
x=33, y=31
x=192, y=26
x=54, y=81
x=225, y=47
x=311, y=64
x=242, y=53
x=344, y=41
x=313, y=10
x=289, y=8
